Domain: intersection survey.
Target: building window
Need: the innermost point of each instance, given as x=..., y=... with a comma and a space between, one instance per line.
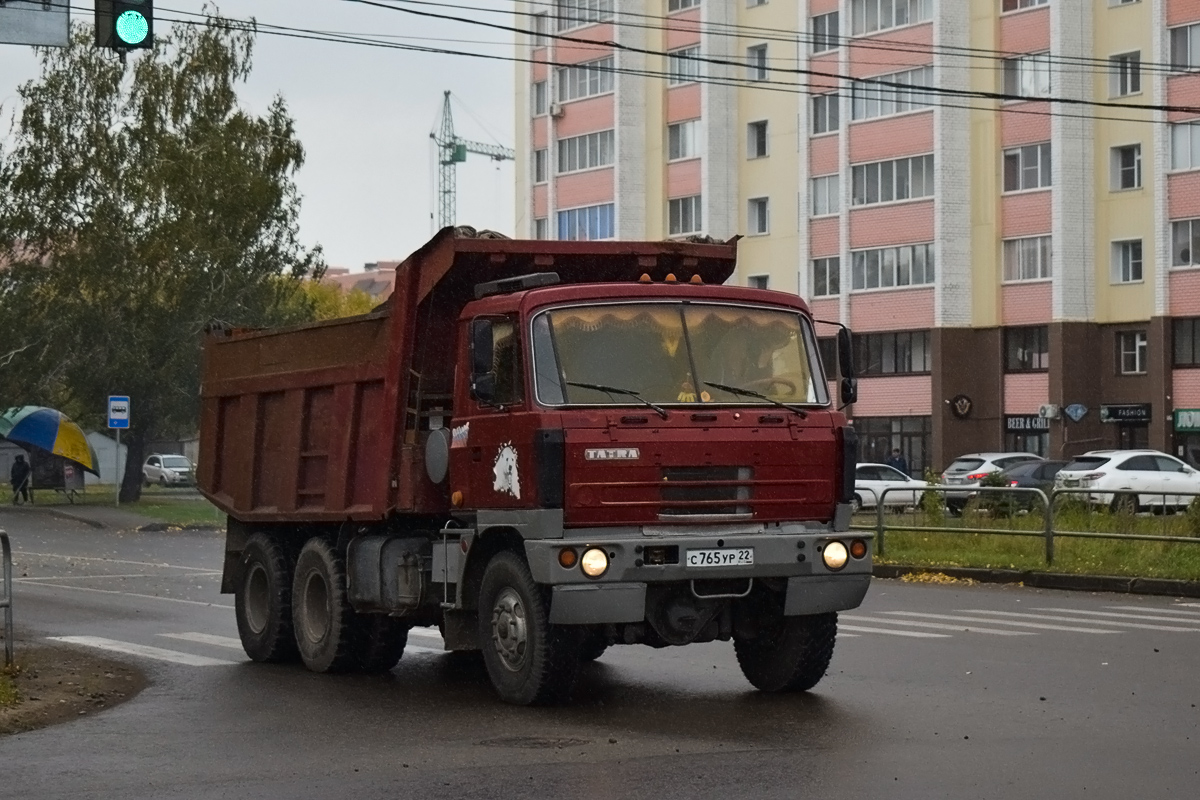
x=541, y=165
x=908, y=265
x=869, y=99
x=540, y=25
x=1126, y=167
x=868, y=16
x=683, y=140
x=756, y=139
x=879, y=436
x=1185, y=47
x=1027, y=167
x=825, y=195
x=889, y=181
x=1186, y=336
x=1131, y=352
x=753, y=3
x=1015, y=5
x=574, y=13
x=825, y=112
x=586, y=224
x=1028, y=76
x=756, y=63
x=539, y=98
x=1027, y=349
x=683, y=65
x=827, y=277
x=759, y=215
x=1185, y=145
x=680, y=5
x=684, y=215
x=541, y=228
x=1125, y=74
x=758, y=281
x=825, y=32
x=1185, y=241
x=897, y=353
x=1127, y=261
x=585, y=80
x=585, y=152
x=1027, y=259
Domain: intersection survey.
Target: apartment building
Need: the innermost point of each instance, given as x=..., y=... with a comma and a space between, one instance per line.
x=1019, y=273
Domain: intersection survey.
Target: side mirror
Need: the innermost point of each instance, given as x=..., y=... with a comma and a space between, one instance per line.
x=483, y=379
x=845, y=346
x=849, y=391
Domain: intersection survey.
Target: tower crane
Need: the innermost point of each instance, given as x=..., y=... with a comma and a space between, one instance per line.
x=451, y=150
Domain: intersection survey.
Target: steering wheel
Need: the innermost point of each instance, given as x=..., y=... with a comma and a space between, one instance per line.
x=764, y=384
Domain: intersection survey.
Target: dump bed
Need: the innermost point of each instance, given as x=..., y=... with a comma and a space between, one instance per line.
x=327, y=421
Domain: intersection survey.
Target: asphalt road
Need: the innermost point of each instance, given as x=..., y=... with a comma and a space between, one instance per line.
x=934, y=691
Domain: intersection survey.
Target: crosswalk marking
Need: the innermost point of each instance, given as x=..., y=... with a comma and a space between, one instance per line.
x=206, y=638
x=1110, y=622
x=941, y=626
x=1148, y=617
x=1185, y=614
x=145, y=651
x=912, y=634
x=993, y=621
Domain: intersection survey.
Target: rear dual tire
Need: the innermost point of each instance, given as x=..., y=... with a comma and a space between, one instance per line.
x=263, y=601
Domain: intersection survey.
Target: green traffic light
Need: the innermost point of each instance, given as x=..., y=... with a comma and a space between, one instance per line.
x=132, y=27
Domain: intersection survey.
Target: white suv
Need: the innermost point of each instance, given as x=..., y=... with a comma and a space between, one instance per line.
x=972, y=468
x=1130, y=479
x=167, y=470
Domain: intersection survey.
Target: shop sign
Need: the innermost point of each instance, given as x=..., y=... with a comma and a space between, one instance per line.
x=1187, y=420
x=1076, y=411
x=1132, y=413
x=1026, y=422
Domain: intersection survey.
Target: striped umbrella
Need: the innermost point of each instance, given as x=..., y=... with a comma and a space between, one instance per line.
x=49, y=430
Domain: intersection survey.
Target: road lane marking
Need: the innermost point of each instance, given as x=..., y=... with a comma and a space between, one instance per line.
x=886, y=632
x=145, y=651
x=1055, y=618
x=993, y=621
x=941, y=626
x=1182, y=614
x=160, y=564
x=207, y=638
x=1147, y=617
x=126, y=594
x=103, y=577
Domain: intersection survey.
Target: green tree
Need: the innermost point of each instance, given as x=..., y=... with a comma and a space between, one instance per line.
x=321, y=300
x=137, y=207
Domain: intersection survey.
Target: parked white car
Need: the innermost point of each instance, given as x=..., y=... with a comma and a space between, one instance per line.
x=972, y=468
x=1130, y=479
x=167, y=470
x=870, y=480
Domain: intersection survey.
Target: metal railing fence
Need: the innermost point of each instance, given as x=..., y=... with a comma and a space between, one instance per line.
x=6, y=598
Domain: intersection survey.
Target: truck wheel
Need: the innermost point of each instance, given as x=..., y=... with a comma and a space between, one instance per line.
x=262, y=601
x=327, y=629
x=790, y=654
x=529, y=661
x=382, y=642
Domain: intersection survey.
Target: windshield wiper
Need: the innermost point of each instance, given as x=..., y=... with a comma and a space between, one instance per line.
x=759, y=395
x=599, y=387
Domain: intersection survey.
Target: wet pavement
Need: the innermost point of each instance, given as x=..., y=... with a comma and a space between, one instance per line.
x=934, y=691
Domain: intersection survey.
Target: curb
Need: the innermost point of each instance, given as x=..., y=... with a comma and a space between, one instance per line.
x=1052, y=580
x=62, y=514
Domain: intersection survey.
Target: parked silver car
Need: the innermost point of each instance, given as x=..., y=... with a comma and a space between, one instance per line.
x=168, y=470
x=972, y=468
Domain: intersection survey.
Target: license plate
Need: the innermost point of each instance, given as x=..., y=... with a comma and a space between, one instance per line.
x=727, y=557
x=956, y=480
x=1070, y=483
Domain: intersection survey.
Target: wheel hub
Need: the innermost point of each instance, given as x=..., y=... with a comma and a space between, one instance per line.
x=258, y=600
x=510, y=630
x=316, y=608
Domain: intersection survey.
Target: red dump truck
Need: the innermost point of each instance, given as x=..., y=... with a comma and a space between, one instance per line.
x=544, y=449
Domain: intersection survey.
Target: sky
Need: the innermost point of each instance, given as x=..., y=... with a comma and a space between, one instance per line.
x=364, y=114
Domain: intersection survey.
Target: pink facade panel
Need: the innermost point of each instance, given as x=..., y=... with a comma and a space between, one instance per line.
x=1025, y=32
x=1180, y=12
x=1026, y=303
x=1026, y=214
x=827, y=66
x=683, y=29
x=540, y=135
x=1183, y=195
x=1024, y=392
x=900, y=223
x=896, y=310
x=1184, y=293
x=1183, y=90
x=538, y=71
x=683, y=103
x=541, y=200
x=823, y=155
x=683, y=178
x=577, y=52
x=827, y=308
x=1185, y=388
x=585, y=116
x=901, y=396
x=891, y=137
x=1024, y=123
x=823, y=238
x=887, y=52
x=822, y=6
x=585, y=188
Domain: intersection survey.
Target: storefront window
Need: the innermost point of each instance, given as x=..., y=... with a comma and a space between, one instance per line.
x=878, y=436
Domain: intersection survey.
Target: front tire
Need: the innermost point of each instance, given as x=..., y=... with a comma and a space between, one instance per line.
x=263, y=601
x=529, y=661
x=382, y=642
x=327, y=630
x=592, y=646
x=789, y=654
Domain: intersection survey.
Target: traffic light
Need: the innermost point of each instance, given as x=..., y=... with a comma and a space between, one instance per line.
x=125, y=24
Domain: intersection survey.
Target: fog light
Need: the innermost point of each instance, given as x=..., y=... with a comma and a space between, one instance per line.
x=567, y=557
x=835, y=555
x=858, y=548
x=595, y=562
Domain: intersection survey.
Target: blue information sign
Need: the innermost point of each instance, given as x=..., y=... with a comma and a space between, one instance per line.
x=118, y=411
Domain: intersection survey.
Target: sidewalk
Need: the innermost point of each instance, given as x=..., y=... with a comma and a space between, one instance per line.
x=95, y=515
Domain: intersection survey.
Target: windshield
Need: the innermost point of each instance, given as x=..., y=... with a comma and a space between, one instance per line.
x=965, y=465
x=670, y=352
x=1086, y=463
x=175, y=462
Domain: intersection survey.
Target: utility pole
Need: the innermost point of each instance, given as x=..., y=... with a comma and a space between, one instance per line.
x=451, y=150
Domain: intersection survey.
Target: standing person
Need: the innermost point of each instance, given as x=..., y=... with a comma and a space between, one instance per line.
x=897, y=461
x=18, y=476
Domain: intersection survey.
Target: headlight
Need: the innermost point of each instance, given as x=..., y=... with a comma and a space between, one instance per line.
x=594, y=562
x=835, y=555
